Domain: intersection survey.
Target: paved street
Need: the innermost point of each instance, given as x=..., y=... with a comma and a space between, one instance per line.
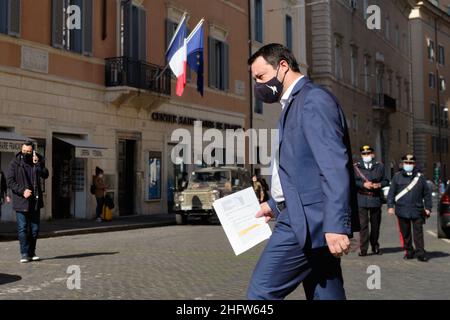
x=196, y=262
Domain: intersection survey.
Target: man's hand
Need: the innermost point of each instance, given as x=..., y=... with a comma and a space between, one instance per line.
x=338, y=244
x=368, y=185
x=265, y=211
x=8, y=199
x=376, y=185
x=391, y=211
x=27, y=193
x=428, y=212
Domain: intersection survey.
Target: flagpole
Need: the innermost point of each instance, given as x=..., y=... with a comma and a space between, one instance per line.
x=176, y=31
x=170, y=44
x=162, y=72
x=195, y=29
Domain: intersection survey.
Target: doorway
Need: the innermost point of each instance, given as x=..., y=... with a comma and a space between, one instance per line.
x=63, y=155
x=69, y=179
x=127, y=177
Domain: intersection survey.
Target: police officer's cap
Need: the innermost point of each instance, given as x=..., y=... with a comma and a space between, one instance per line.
x=409, y=158
x=366, y=148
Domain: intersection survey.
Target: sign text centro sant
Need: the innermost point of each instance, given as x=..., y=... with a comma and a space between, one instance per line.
x=171, y=118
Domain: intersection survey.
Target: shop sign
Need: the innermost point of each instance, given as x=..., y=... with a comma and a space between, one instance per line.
x=88, y=153
x=10, y=146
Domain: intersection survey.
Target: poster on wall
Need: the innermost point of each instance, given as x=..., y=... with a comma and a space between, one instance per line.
x=154, y=176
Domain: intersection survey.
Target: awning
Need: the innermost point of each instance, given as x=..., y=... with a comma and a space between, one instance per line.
x=84, y=148
x=11, y=141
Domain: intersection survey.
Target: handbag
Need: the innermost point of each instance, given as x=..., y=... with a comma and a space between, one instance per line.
x=109, y=202
x=106, y=213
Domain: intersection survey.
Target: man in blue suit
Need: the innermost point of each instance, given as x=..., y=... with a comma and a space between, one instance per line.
x=313, y=191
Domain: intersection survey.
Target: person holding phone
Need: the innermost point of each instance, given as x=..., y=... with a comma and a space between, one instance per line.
x=24, y=177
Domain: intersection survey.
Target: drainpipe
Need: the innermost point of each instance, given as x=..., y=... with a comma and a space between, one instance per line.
x=438, y=95
x=250, y=75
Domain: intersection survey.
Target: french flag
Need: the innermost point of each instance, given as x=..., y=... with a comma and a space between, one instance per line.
x=176, y=55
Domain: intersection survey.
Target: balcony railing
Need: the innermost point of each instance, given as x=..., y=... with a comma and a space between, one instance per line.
x=384, y=102
x=123, y=71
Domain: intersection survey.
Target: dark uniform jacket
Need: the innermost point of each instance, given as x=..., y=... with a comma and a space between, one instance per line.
x=370, y=198
x=411, y=205
x=18, y=181
x=3, y=187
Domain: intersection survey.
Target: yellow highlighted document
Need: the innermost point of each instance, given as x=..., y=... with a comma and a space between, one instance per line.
x=236, y=213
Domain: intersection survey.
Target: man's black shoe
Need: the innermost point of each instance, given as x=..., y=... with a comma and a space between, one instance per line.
x=422, y=258
x=409, y=256
x=376, y=250
x=362, y=254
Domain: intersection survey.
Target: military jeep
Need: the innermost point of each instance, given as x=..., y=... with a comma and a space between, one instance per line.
x=205, y=186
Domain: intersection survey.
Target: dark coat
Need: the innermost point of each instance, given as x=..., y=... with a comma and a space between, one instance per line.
x=3, y=186
x=18, y=182
x=315, y=166
x=411, y=205
x=370, y=198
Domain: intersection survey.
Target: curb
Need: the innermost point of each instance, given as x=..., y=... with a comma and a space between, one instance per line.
x=71, y=232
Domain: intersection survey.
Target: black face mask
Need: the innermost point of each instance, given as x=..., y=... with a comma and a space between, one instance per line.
x=28, y=157
x=270, y=91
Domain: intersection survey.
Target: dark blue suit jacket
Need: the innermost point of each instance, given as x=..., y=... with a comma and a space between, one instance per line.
x=315, y=166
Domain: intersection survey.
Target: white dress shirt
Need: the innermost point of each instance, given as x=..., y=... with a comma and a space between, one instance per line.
x=276, y=190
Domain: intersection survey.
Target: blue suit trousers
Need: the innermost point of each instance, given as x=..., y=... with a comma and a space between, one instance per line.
x=283, y=265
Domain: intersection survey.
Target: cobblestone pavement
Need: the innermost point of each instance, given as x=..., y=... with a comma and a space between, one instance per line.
x=196, y=262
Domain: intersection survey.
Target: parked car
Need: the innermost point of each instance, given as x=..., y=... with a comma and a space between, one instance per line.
x=205, y=186
x=443, y=219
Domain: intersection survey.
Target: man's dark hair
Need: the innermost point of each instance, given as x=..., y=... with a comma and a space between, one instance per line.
x=28, y=144
x=274, y=53
x=98, y=171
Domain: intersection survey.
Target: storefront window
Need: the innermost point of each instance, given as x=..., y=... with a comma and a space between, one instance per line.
x=154, y=176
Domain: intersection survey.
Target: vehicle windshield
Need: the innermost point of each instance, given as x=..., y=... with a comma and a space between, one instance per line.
x=208, y=177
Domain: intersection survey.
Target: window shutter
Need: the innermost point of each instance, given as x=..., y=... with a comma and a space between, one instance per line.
x=135, y=33
x=211, y=62
x=14, y=18
x=3, y=15
x=226, y=68
x=128, y=28
x=76, y=35
x=87, y=26
x=168, y=28
x=57, y=23
x=142, y=35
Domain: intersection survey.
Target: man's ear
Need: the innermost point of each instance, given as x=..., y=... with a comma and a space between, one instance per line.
x=284, y=64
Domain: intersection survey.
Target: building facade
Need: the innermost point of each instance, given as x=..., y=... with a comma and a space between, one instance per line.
x=275, y=21
x=431, y=99
x=368, y=69
x=93, y=92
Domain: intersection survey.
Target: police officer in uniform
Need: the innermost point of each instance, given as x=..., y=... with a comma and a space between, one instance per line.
x=410, y=195
x=370, y=179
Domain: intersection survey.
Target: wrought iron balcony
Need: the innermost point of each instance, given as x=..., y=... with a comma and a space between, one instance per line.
x=384, y=102
x=123, y=71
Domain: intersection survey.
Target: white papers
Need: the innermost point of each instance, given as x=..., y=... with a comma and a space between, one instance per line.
x=236, y=213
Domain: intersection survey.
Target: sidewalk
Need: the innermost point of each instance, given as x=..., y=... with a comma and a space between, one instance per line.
x=65, y=227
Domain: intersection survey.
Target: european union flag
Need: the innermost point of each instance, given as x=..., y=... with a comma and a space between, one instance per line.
x=195, y=54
